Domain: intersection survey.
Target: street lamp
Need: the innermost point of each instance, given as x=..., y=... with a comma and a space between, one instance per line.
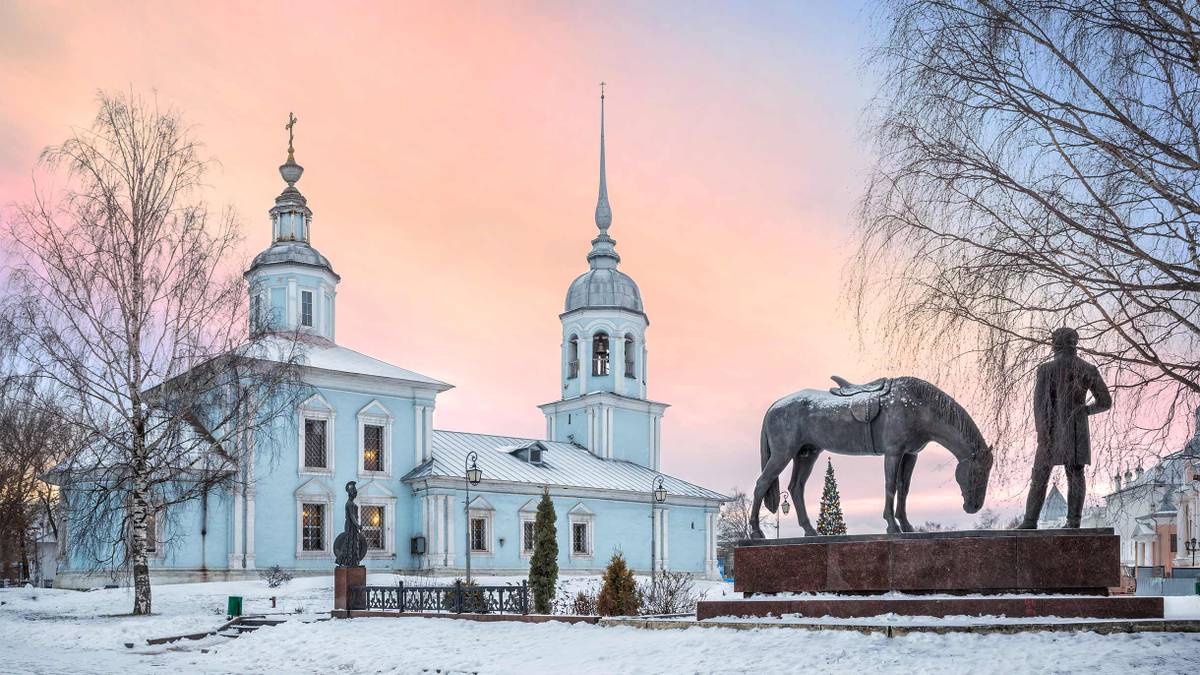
x=473, y=475
x=785, y=507
x=1192, y=547
x=659, y=495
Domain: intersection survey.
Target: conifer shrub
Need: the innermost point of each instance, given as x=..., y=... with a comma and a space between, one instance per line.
x=619, y=595
x=543, y=565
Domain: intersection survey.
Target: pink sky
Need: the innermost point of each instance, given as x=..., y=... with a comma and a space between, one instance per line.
x=451, y=160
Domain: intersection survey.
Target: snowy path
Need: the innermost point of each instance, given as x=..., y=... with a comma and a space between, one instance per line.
x=66, y=632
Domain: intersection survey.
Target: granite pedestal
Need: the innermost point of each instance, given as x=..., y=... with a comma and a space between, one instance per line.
x=344, y=579
x=1055, y=572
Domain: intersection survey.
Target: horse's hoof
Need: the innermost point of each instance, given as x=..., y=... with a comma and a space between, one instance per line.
x=810, y=532
x=906, y=527
x=757, y=534
x=892, y=529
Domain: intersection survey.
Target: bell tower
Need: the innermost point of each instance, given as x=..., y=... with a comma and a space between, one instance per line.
x=603, y=404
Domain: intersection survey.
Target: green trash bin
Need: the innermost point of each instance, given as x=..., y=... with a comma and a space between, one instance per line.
x=235, y=606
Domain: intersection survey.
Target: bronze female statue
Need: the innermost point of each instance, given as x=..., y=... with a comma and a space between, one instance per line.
x=895, y=418
x=350, y=546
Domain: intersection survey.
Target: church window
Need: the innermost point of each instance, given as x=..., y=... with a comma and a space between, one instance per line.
x=372, y=447
x=256, y=322
x=371, y=517
x=579, y=539
x=306, y=308
x=573, y=358
x=600, y=354
x=314, y=444
x=479, y=539
x=630, y=361
x=312, y=527
x=527, y=536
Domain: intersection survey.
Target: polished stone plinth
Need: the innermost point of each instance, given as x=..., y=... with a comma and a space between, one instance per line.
x=344, y=579
x=1083, y=561
x=1090, y=607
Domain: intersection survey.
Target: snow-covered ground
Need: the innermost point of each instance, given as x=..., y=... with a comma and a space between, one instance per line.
x=57, y=631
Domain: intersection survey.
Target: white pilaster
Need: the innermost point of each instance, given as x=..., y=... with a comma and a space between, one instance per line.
x=250, y=527
x=665, y=539
x=591, y=430
x=293, y=304
x=608, y=429
x=235, y=555
x=427, y=420
x=418, y=434
x=585, y=362
x=616, y=352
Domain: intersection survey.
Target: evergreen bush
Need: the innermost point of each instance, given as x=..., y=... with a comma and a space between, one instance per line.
x=543, y=566
x=619, y=595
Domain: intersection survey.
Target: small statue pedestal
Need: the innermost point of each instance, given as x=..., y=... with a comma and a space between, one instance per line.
x=344, y=579
x=1065, y=573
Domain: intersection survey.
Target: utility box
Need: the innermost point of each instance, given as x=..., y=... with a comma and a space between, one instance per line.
x=234, y=607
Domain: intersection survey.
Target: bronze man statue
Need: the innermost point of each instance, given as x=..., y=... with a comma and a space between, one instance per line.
x=1060, y=412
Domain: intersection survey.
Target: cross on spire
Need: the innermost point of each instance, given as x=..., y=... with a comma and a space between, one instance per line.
x=291, y=127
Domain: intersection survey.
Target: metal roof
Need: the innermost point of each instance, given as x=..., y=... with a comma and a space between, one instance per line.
x=564, y=465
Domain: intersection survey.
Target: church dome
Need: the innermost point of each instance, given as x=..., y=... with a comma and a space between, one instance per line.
x=604, y=287
x=293, y=252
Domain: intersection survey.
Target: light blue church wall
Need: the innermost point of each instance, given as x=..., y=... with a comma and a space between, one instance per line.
x=277, y=474
x=632, y=436
x=615, y=525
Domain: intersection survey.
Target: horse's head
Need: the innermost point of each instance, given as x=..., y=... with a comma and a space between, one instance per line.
x=972, y=475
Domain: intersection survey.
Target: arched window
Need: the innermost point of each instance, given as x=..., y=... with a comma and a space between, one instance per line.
x=630, y=358
x=573, y=357
x=600, y=354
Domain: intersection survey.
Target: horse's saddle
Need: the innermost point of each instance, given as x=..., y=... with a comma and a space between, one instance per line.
x=864, y=398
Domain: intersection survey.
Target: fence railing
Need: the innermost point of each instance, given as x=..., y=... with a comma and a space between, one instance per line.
x=457, y=599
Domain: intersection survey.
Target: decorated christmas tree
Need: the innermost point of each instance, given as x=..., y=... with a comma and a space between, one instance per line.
x=830, y=521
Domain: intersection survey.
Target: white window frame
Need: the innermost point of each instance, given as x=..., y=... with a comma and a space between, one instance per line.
x=376, y=414
x=156, y=512
x=582, y=515
x=317, y=408
x=327, y=502
x=312, y=309
x=481, y=509
x=389, y=525
x=527, y=518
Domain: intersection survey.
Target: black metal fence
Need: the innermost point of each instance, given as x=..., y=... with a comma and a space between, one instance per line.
x=457, y=599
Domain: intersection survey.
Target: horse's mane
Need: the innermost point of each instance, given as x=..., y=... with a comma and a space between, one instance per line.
x=945, y=407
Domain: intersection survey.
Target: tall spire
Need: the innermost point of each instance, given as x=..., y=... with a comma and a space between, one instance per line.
x=603, y=212
x=603, y=254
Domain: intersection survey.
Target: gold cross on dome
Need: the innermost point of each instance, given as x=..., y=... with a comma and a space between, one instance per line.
x=290, y=126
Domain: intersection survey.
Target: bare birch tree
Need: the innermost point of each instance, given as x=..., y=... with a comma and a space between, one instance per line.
x=1037, y=167
x=127, y=304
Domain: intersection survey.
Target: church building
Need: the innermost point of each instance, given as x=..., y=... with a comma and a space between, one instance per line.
x=373, y=423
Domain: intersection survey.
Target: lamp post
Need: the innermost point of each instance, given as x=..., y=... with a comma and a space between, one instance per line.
x=658, y=495
x=784, y=507
x=1192, y=547
x=473, y=475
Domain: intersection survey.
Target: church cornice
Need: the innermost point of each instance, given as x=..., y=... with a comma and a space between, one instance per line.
x=605, y=398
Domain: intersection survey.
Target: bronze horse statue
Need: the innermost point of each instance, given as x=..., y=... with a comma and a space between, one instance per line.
x=893, y=417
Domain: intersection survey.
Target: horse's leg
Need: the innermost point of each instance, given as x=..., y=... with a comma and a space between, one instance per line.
x=891, y=468
x=907, y=462
x=771, y=471
x=801, y=468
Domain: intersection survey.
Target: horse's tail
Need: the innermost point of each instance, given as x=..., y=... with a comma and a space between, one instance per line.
x=771, y=498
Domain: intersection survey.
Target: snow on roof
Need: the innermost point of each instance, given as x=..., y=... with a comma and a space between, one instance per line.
x=564, y=465
x=326, y=355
